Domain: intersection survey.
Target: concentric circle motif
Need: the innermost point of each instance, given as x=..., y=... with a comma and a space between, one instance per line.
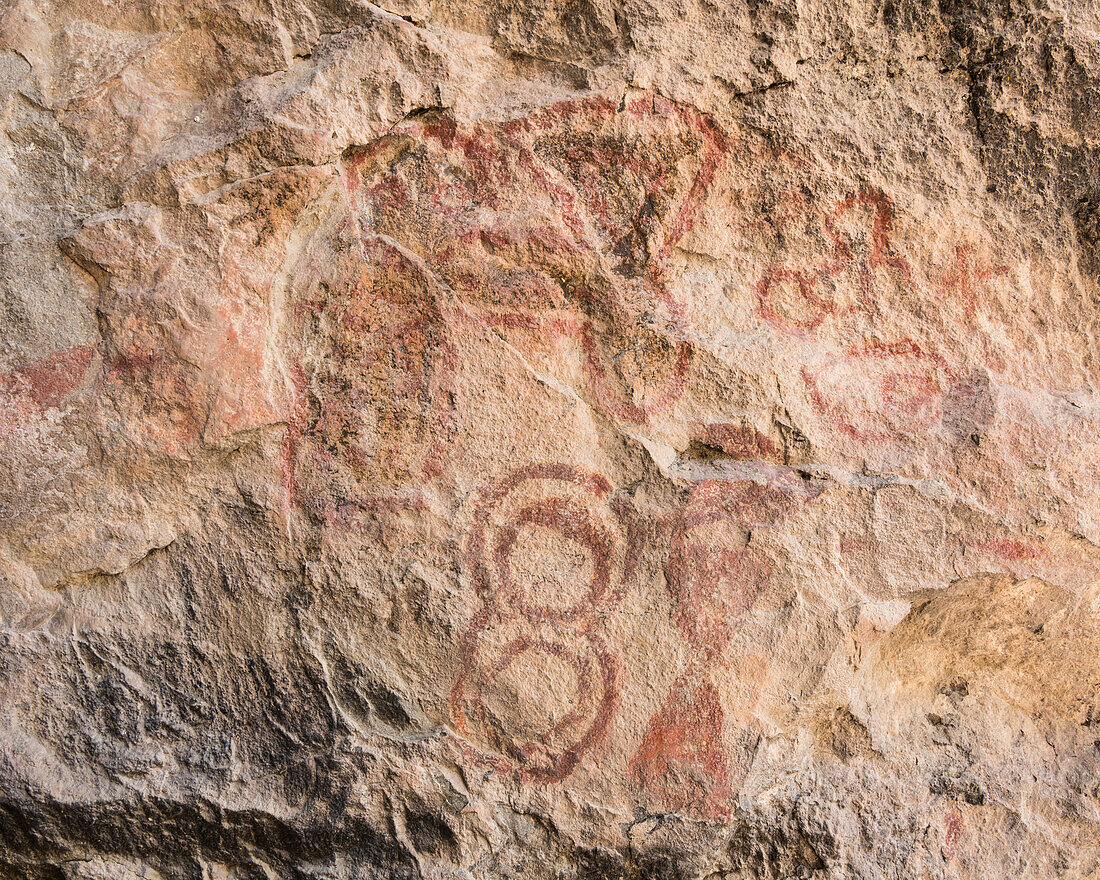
x=555, y=507
x=503, y=735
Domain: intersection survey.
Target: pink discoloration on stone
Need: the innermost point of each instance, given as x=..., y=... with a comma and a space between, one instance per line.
x=880, y=391
x=46, y=382
x=1011, y=549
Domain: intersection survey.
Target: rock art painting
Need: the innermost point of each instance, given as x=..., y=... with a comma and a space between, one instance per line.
x=860, y=260
x=688, y=759
x=543, y=600
x=559, y=441
x=684, y=757
x=558, y=224
x=45, y=383
x=371, y=403
x=879, y=391
x=874, y=388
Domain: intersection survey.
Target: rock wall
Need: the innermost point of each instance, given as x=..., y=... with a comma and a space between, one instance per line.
x=576, y=439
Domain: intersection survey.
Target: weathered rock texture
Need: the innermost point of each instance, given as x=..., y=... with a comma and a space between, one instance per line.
x=569, y=439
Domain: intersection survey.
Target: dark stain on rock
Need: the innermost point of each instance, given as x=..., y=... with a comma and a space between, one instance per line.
x=431, y=835
x=607, y=864
x=842, y=734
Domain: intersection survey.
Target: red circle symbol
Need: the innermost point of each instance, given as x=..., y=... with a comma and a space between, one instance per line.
x=493, y=736
x=572, y=505
x=573, y=523
x=812, y=309
x=880, y=391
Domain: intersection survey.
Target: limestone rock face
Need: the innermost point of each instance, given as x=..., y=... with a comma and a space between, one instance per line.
x=582, y=440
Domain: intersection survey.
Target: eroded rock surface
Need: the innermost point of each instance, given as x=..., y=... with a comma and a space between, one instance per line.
x=563, y=440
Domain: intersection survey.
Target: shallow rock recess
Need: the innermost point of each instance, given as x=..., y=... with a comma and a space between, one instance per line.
x=562, y=440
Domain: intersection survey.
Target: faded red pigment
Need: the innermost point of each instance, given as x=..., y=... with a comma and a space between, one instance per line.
x=909, y=386
x=572, y=153
x=566, y=633
x=907, y=398
x=865, y=257
x=714, y=586
x=391, y=362
x=741, y=442
x=685, y=761
x=172, y=410
x=48, y=381
x=967, y=280
x=683, y=757
x=1011, y=550
x=953, y=833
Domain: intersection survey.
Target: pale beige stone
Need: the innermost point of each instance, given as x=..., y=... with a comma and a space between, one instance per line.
x=553, y=440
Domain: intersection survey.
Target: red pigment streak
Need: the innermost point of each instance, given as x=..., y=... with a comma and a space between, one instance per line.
x=683, y=760
x=1007, y=548
x=952, y=834
x=48, y=381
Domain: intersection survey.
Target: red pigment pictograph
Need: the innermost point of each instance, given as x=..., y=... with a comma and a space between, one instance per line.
x=498, y=736
x=169, y=417
x=549, y=552
x=967, y=279
x=372, y=405
x=46, y=382
x=953, y=832
x=714, y=576
x=574, y=519
x=878, y=391
x=859, y=227
x=814, y=307
x=683, y=758
x=741, y=442
x=847, y=225
x=712, y=573
x=559, y=224
x=873, y=391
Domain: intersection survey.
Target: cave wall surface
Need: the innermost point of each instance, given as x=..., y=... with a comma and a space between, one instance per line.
x=571, y=439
